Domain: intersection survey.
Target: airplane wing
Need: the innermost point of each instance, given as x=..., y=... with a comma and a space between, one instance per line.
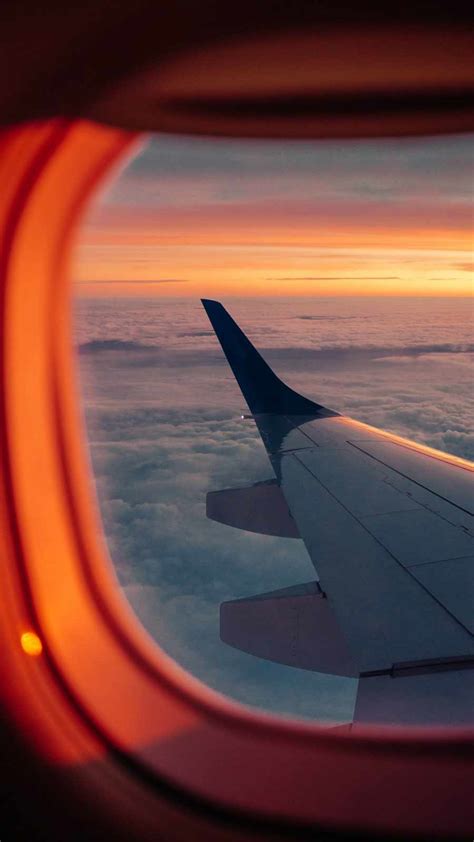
x=388, y=525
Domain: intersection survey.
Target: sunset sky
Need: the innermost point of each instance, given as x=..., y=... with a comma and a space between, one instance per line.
x=199, y=217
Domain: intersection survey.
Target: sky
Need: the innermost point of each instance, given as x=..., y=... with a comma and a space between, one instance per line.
x=206, y=217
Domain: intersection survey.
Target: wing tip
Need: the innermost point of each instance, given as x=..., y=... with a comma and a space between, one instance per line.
x=210, y=302
x=260, y=386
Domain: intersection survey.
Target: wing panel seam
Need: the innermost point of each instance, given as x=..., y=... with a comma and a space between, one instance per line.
x=406, y=476
x=441, y=560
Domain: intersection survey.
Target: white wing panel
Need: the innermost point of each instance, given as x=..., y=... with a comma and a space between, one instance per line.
x=419, y=536
x=386, y=614
x=359, y=483
x=449, y=481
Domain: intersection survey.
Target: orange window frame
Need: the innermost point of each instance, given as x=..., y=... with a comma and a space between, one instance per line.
x=101, y=691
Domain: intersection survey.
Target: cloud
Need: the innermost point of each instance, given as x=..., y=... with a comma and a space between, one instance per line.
x=230, y=671
x=437, y=357
x=164, y=428
x=96, y=346
x=398, y=164
x=197, y=333
x=176, y=567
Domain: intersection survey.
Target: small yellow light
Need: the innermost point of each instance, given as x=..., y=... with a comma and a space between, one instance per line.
x=31, y=644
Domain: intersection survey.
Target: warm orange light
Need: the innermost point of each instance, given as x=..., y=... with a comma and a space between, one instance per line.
x=31, y=644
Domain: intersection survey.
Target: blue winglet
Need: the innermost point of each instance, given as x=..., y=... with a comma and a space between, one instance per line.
x=261, y=388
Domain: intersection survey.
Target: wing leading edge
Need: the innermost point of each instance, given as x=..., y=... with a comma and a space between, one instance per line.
x=389, y=529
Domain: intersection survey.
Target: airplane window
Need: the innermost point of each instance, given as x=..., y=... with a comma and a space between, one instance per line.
x=347, y=265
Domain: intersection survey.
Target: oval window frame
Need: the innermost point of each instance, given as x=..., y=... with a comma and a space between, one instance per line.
x=61, y=584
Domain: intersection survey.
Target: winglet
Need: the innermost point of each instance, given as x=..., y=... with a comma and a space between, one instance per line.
x=261, y=388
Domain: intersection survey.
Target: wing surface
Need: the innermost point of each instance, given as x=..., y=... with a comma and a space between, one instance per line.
x=388, y=525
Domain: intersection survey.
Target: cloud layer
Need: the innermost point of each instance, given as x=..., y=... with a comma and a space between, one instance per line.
x=162, y=413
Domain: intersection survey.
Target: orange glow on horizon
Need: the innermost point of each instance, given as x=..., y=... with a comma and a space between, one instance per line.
x=181, y=271
x=195, y=256
x=180, y=236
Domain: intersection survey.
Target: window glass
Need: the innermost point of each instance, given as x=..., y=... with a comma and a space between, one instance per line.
x=347, y=265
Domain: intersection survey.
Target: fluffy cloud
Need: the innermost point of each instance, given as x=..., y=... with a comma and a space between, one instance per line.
x=162, y=412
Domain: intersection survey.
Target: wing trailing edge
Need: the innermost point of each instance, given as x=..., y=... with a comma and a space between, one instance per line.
x=259, y=508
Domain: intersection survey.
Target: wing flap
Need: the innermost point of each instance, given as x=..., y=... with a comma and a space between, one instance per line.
x=294, y=626
x=259, y=508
